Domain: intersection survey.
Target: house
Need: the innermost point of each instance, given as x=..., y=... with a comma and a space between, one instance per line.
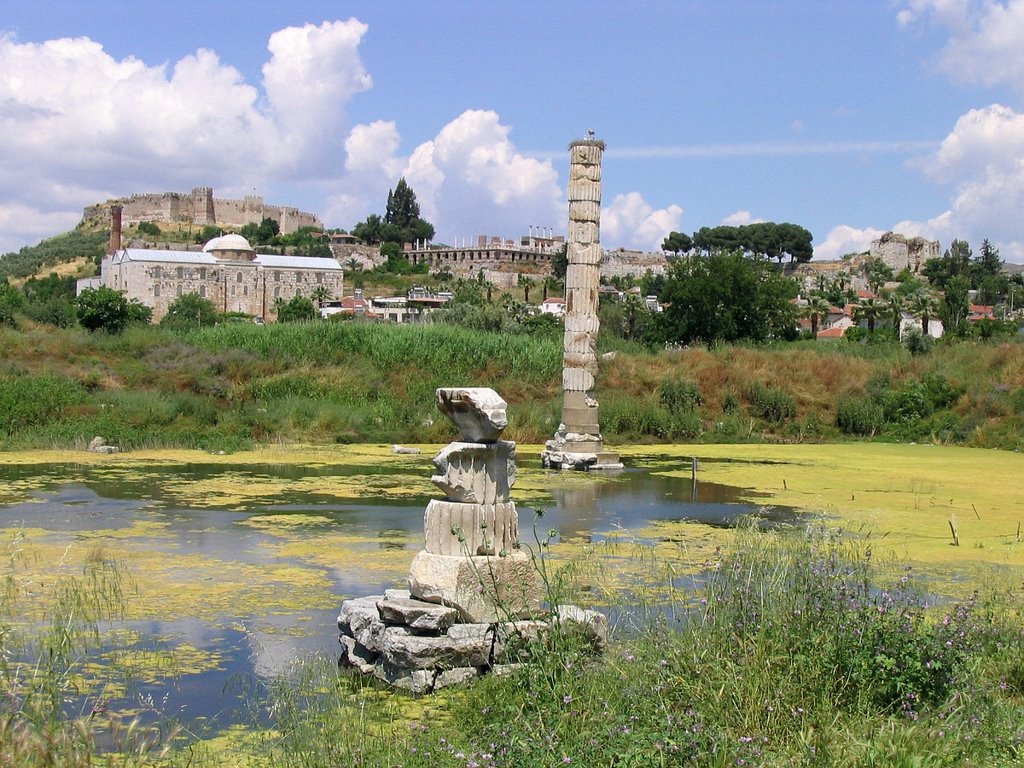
x=355, y=304
x=553, y=306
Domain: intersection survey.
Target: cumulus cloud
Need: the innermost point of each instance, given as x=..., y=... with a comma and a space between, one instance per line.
x=845, y=239
x=984, y=42
x=469, y=179
x=983, y=159
x=632, y=222
x=80, y=125
x=740, y=218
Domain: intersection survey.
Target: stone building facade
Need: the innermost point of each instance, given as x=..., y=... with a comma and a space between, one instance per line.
x=227, y=271
x=200, y=208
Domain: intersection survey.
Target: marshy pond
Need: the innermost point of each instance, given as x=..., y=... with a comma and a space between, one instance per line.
x=228, y=571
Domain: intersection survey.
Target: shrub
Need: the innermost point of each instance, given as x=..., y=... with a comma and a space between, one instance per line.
x=772, y=404
x=28, y=401
x=916, y=342
x=859, y=416
x=680, y=396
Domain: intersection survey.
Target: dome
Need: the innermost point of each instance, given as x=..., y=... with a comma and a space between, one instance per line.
x=231, y=242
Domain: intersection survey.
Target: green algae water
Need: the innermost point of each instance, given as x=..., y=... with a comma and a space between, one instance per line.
x=235, y=570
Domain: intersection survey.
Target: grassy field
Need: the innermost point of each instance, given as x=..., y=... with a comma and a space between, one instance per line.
x=236, y=386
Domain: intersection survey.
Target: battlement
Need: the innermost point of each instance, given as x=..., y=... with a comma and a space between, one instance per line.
x=201, y=208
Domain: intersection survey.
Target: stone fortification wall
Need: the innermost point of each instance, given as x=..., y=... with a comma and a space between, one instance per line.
x=367, y=256
x=620, y=263
x=901, y=252
x=201, y=208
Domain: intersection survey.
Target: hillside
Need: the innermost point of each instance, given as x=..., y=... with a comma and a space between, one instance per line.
x=80, y=248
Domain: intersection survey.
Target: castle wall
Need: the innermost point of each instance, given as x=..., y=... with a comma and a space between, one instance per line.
x=201, y=208
x=620, y=263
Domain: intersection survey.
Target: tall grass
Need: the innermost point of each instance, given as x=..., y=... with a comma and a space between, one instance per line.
x=230, y=386
x=49, y=631
x=797, y=651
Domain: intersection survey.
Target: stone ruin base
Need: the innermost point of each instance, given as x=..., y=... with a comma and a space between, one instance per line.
x=422, y=647
x=580, y=452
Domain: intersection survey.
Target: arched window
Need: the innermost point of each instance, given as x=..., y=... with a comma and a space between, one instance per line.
x=277, y=292
x=181, y=272
x=245, y=290
x=277, y=277
x=202, y=273
x=178, y=291
x=238, y=277
x=202, y=291
x=156, y=273
x=156, y=290
x=232, y=291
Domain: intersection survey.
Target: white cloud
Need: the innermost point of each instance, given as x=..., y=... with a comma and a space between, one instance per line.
x=984, y=42
x=471, y=179
x=983, y=159
x=845, y=239
x=80, y=126
x=740, y=218
x=631, y=222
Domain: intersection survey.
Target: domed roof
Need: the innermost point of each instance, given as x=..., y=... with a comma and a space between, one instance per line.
x=230, y=242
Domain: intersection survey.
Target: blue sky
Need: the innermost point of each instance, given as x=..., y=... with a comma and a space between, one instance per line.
x=849, y=118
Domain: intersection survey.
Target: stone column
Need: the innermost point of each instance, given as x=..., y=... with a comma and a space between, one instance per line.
x=578, y=443
x=471, y=560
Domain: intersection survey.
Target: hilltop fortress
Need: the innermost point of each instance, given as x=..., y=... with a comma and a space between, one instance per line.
x=201, y=208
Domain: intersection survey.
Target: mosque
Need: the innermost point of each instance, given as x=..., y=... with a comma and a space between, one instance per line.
x=227, y=271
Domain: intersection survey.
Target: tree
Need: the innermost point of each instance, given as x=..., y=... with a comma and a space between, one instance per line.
x=402, y=209
x=892, y=303
x=878, y=273
x=560, y=262
x=369, y=231
x=297, y=309
x=724, y=296
x=955, y=305
x=816, y=309
x=11, y=301
x=869, y=310
x=189, y=310
x=320, y=295
x=922, y=305
x=403, y=213
x=677, y=242
x=106, y=309
x=954, y=262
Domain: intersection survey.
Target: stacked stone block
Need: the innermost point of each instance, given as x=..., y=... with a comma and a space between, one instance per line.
x=473, y=597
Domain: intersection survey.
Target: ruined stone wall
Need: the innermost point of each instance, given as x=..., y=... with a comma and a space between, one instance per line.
x=200, y=207
x=367, y=256
x=901, y=253
x=467, y=262
x=620, y=263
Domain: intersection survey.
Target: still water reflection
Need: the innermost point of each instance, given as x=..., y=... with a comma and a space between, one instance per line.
x=383, y=530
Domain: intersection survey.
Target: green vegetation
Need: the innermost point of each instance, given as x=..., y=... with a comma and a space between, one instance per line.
x=798, y=649
x=768, y=239
x=237, y=384
x=32, y=260
x=725, y=296
x=401, y=222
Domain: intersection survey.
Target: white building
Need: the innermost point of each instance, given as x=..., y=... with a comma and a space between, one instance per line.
x=228, y=272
